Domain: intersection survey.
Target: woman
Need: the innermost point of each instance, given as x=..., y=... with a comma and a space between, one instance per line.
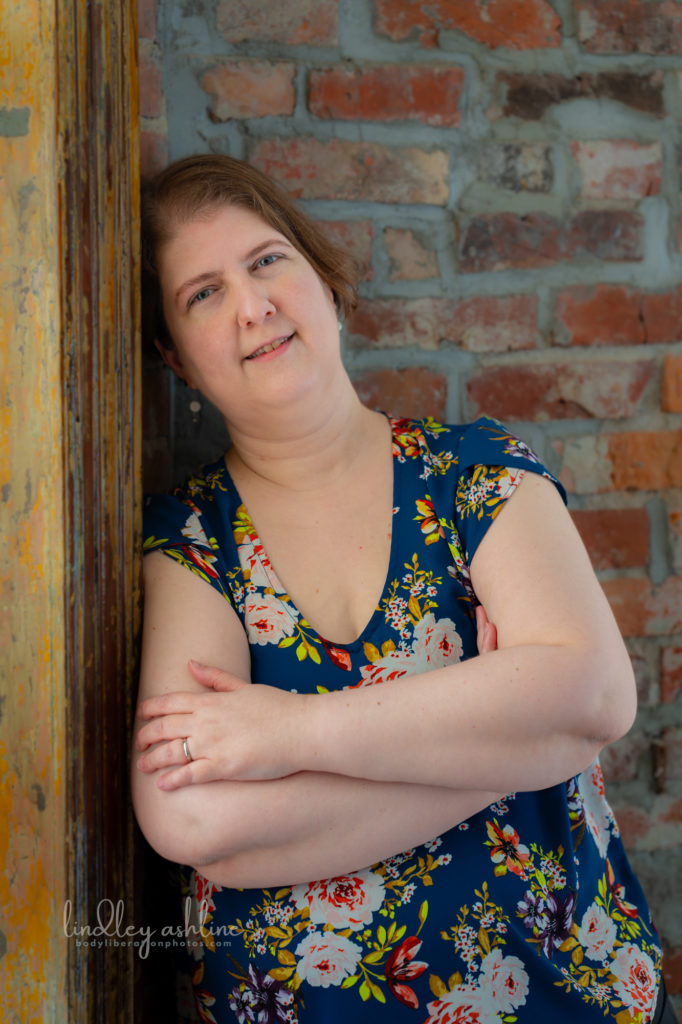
x=377, y=816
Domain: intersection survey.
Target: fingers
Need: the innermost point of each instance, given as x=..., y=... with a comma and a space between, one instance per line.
x=164, y=728
x=175, y=780
x=180, y=701
x=486, y=636
x=215, y=678
x=175, y=703
x=164, y=755
x=490, y=642
x=188, y=775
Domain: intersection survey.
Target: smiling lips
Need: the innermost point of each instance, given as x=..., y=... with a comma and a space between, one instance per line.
x=270, y=347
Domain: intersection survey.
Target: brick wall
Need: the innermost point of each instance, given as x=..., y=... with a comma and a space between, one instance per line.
x=507, y=174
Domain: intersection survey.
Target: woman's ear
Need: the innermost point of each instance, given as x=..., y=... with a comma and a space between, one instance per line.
x=171, y=358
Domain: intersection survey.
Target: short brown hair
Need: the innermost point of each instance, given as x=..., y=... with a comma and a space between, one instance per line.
x=197, y=184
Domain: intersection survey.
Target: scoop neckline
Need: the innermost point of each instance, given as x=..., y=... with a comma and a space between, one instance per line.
x=390, y=573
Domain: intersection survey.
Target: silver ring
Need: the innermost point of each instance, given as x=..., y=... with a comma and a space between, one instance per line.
x=185, y=747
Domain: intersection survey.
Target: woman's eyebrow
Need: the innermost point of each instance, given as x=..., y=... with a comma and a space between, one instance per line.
x=202, y=278
x=266, y=245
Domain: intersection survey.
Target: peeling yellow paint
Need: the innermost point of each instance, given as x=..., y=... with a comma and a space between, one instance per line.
x=47, y=85
x=32, y=868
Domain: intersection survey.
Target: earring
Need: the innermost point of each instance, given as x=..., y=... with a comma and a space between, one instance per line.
x=195, y=409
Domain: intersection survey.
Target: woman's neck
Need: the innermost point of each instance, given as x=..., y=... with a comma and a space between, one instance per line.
x=306, y=448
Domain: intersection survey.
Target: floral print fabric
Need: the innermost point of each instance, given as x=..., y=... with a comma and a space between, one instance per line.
x=528, y=911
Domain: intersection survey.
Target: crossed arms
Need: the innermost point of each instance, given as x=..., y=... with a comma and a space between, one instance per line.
x=290, y=787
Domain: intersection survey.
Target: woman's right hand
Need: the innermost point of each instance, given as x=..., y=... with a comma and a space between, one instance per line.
x=486, y=635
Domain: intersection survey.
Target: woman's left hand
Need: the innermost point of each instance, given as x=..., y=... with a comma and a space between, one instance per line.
x=236, y=730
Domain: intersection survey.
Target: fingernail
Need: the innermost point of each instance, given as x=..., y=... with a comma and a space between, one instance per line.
x=196, y=664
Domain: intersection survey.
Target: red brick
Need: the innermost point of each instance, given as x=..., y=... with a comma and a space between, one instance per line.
x=311, y=169
x=249, y=88
x=662, y=315
x=606, y=235
x=618, y=169
x=399, y=323
x=153, y=152
x=673, y=812
x=671, y=673
x=624, y=26
x=409, y=258
x=501, y=241
x=390, y=92
x=146, y=19
x=671, y=391
x=503, y=323
x=481, y=324
x=356, y=236
x=603, y=315
x=516, y=24
x=151, y=96
x=517, y=166
x=306, y=21
x=619, y=760
x=645, y=460
x=634, y=461
x=634, y=824
x=642, y=609
x=559, y=391
x=627, y=598
x=529, y=96
x=618, y=315
x=615, y=538
x=655, y=827
x=585, y=466
x=413, y=392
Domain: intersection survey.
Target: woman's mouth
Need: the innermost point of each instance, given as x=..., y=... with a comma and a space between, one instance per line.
x=271, y=346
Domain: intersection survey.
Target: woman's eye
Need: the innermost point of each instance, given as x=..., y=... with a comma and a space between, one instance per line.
x=200, y=296
x=267, y=261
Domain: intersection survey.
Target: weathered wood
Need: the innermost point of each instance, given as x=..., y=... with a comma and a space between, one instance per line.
x=32, y=697
x=99, y=221
x=69, y=501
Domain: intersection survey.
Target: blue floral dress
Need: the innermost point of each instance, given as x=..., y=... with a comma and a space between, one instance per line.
x=526, y=912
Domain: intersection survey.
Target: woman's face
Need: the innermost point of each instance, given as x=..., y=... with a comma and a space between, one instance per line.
x=252, y=322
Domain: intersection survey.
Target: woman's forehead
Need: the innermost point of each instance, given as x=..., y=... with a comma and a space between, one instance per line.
x=235, y=229
x=222, y=214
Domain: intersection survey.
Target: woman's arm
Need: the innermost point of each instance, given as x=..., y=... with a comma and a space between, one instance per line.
x=533, y=713
x=530, y=714
x=244, y=834
x=309, y=826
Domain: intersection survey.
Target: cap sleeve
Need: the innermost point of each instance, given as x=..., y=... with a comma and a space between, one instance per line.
x=176, y=525
x=492, y=463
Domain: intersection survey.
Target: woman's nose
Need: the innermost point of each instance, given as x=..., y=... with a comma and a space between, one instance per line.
x=254, y=306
